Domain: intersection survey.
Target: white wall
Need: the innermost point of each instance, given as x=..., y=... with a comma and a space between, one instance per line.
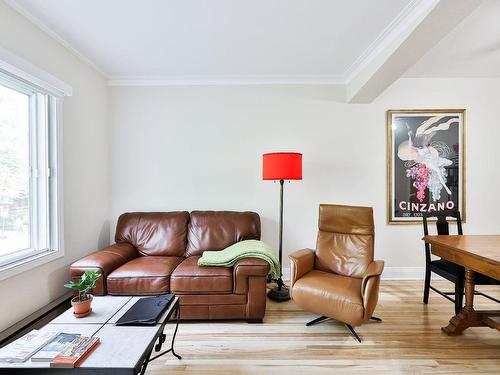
x=185, y=148
x=85, y=159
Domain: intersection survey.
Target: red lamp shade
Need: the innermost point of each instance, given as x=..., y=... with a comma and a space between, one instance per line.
x=282, y=166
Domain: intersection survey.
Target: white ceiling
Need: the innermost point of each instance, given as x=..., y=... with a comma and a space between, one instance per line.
x=309, y=40
x=472, y=49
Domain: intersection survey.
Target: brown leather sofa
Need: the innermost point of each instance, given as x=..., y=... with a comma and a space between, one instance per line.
x=157, y=252
x=339, y=279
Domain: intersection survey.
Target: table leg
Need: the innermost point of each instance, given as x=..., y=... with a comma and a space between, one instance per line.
x=172, y=350
x=467, y=317
x=178, y=313
x=161, y=340
x=469, y=290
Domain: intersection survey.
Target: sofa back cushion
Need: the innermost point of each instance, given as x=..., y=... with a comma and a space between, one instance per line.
x=216, y=230
x=154, y=233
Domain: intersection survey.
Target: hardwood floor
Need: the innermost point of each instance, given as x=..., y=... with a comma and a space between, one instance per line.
x=409, y=341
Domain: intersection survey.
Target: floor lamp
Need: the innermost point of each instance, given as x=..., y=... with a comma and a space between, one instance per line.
x=281, y=166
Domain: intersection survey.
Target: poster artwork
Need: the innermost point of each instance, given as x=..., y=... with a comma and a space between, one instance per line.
x=426, y=163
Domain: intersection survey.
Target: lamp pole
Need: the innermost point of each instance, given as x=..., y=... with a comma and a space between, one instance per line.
x=281, y=292
x=280, y=280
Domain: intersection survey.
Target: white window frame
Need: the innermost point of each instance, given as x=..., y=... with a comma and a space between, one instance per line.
x=46, y=101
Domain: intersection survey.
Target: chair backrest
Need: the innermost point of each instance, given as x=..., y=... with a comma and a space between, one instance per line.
x=442, y=226
x=345, y=239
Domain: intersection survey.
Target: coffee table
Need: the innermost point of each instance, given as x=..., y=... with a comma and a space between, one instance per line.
x=123, y=349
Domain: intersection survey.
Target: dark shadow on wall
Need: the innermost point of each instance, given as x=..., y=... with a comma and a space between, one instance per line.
x=55, y=282
x=269, y=230
x=104, y=235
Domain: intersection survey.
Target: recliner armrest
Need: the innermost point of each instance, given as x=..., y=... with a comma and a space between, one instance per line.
x=245, y=268
x=302, y=262
x=375, y=268
x=105, y=261
x=370, y=287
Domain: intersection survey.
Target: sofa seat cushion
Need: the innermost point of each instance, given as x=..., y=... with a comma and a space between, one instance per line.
x=331, y=295
x=188, y=278
x=143, y=276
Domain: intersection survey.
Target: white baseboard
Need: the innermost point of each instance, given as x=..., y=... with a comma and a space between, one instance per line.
x=403, y=273
x=390, y=273
x=33, y=317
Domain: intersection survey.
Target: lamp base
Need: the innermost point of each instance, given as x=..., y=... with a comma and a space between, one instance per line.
x=279, y=293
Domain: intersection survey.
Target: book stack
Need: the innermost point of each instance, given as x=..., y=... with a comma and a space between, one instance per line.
x=75, y=353
x=55, y=346
x=62, y=350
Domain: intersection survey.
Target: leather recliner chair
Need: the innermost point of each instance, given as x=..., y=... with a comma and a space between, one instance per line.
x=158, y=252
x=339, y=279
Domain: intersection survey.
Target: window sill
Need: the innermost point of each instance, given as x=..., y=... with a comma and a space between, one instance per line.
x=26, y=264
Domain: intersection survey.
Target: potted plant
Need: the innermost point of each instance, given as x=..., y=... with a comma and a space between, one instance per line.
x=81, y=303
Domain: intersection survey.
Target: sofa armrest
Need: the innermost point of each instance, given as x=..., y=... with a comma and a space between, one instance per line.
x=245, y=268
x=370, y=287
x=105, y=261
x=302, y=262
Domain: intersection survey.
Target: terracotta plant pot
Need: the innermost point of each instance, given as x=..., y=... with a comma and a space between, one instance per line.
x=81, y=309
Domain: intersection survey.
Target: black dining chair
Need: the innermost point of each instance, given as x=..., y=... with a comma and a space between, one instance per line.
x=446, y=269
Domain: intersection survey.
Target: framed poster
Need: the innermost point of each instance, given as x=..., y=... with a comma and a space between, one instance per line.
x=426, y=163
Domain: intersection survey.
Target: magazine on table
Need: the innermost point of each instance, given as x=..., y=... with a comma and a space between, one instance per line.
x=75, y=353
x=23, y=348
x=54, y=347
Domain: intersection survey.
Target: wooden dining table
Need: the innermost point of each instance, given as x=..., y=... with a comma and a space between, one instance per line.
x=476, y=253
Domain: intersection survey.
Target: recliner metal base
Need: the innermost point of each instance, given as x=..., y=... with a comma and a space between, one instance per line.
x=317, y=320
x=353, y=332
x=351, y=329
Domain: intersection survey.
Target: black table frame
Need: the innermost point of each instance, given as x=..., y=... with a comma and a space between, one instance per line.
x=161, y=337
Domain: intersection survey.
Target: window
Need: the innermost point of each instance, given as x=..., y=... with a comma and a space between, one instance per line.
x=29, y=162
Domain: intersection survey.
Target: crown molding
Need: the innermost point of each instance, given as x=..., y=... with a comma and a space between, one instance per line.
x=407, y=17
x=14, y=4
x=414, y=10
x=224, y=80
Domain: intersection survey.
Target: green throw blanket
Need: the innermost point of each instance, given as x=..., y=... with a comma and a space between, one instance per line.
x=243, y=249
